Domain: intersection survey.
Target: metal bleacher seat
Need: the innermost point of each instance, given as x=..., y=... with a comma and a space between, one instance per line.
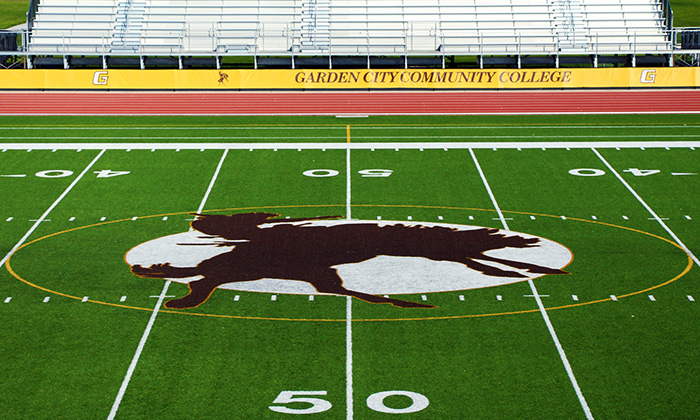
x=349, y=27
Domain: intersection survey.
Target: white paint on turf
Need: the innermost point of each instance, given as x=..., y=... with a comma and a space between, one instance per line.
x=655, y=216
x=540, y=305
x=159, y=304
x=462, y=145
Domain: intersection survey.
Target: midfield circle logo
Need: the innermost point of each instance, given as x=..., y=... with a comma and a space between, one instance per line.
x=325, y=255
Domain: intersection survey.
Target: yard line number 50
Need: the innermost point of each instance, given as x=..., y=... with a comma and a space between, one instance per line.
x=318, y=405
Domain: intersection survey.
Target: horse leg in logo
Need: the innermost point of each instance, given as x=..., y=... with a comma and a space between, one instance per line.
x=328, y=281
x=200, y=290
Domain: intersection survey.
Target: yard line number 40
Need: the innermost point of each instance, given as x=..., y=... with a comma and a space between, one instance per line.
x=600, y=172
x=318, y=405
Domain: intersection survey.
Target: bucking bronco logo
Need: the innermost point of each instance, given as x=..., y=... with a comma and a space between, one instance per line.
x=223, y=77
x=362, y=259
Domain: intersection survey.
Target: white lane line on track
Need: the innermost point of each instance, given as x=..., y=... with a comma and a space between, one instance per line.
x=159, y=304
x=50, y=209
x=343, y=145
x=538, y=299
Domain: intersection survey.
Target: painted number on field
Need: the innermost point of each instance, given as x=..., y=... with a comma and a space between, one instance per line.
x=599, y=172
x=587, y=172
x=289, y=397
x=62, y=173
x=108, y=173
x=375, y=402
x=54, y=174
x=642, y=172
x=366, y=173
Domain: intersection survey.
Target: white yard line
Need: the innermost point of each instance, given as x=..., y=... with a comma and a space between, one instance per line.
x=540, y=305
x=348, y=358
x=156, y=310
x=646, y=206
x=348, y=192
x=344, y=145
x=348, y=313
x=50, y=209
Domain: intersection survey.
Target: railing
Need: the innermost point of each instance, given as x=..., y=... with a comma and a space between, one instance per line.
x=31, y=15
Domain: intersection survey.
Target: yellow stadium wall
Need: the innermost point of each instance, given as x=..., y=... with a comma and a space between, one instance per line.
x=350, y=79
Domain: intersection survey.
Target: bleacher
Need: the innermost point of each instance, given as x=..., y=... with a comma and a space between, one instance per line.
x=349, y=28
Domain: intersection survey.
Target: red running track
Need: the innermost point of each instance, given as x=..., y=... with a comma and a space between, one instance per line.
x=348, y=103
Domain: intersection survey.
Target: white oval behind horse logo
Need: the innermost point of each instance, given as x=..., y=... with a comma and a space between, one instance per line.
x=382, y=274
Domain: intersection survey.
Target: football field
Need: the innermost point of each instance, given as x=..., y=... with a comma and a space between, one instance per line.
x=615, y=197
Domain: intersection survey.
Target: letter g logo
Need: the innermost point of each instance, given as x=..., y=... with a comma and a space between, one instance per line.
x=100, y=78
x=648, y=76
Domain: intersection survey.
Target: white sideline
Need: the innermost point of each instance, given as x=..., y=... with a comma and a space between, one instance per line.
x=152, y=319
x=344, y=145
x=427, y=137
x=543, y=311
x=649, y=209
x=50, y=209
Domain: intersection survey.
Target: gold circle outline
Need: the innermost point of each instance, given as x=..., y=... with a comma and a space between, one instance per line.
x=683, y=273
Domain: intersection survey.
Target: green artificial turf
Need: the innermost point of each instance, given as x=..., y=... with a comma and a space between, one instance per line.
x=484, y=353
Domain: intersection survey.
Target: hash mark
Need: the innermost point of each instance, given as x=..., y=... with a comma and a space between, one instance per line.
x=461, y=297
x=71, y=219
x=47, y=298
x=574, y=297
x=688, y=217
x=532, y=217
x=102, y=219
x=440, y=218
x=690, y=298
x=594, y=217
x=273, y=298
x=625, y=217
x=236, y=298
x=652, y=298
x=499, y=297
x=123, y=298
x=8, y=299
x=165, y=218
x=379, y=217
x=614, y=298
x=134, y=218
x=9, y=219
x=410, y=217
x=563, y=218
x=424, y=297
x=311, y=298
x=85, y=299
